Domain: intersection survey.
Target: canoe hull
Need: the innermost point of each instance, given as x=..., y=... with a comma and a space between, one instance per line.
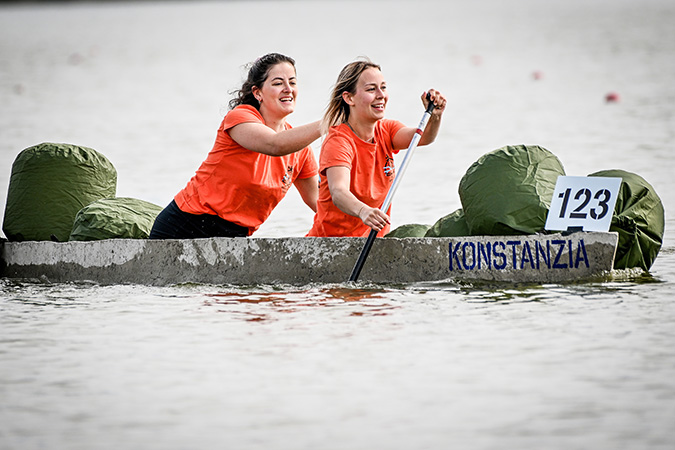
x=297, y=261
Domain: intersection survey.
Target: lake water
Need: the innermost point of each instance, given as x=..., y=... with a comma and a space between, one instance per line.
x=420, y=366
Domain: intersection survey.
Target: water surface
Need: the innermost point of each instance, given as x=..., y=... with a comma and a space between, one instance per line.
x=419, y=366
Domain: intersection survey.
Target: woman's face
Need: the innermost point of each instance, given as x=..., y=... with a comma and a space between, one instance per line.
x=279, y=91
x=369, y=100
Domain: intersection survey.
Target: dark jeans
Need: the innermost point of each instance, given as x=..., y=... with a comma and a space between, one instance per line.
x=172, y=223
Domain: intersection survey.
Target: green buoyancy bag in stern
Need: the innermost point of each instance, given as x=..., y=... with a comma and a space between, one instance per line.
x=508, y=191
x=110, y=218
x=409, y=230
x=452, y=225
x=49, y=184
x=639, y=218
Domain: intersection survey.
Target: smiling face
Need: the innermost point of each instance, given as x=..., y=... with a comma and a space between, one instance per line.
x=370, y=97
x=279, y=91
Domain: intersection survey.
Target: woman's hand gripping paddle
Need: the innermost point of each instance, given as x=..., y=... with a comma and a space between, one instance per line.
x=397, y=180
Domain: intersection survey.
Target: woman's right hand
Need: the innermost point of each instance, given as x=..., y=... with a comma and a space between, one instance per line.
x=373, y=217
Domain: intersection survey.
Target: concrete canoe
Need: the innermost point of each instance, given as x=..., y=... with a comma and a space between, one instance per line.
x=540, y=259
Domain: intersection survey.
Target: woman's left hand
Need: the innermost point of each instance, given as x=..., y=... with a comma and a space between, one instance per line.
x=437, y=98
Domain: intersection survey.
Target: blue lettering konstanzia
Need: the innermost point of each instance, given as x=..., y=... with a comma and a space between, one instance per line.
x=518, y=254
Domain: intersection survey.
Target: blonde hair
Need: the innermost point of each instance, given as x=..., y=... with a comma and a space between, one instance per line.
x=337, y=111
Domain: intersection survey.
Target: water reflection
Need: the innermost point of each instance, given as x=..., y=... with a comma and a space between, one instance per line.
x=38, y=293
x=617, y=283
x=260, y=303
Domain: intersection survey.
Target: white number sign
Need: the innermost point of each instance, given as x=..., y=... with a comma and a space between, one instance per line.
x=585, y=203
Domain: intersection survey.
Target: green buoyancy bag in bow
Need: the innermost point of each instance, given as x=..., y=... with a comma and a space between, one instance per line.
x=49, y=184
x=639, y=218
x=508, y=191
x=452, y=225
x=409, y=230
x=110, y=218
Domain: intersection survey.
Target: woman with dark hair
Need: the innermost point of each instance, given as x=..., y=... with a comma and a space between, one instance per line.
x=255, y=159
x=357, y=155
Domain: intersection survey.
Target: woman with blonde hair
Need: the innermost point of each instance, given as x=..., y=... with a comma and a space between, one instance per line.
x=356, y=165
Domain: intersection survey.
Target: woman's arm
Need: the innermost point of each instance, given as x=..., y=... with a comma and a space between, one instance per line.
x=403, y=137
x=309, y=190
x=339, y=179
x=262, y=139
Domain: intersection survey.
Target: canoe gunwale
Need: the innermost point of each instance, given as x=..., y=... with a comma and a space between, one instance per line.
x=541, y=259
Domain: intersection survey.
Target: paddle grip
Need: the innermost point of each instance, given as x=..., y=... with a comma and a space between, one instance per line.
x=430, y=106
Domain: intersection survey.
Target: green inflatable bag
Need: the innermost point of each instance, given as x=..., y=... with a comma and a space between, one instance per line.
x=452, y=225
x=49, y=184
x=639, y=218
x=508, y=191
x=122, y=217
x=408, y=230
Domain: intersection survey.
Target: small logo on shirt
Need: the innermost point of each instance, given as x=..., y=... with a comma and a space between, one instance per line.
x=287, y=179
x=389, y=166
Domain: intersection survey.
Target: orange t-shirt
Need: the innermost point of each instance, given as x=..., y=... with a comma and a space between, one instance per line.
x=240, y=185
x=372, y=172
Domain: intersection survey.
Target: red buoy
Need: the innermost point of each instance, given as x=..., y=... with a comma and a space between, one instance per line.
x=612, y=97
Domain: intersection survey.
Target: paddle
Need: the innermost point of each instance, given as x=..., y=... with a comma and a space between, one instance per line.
x=397, y=180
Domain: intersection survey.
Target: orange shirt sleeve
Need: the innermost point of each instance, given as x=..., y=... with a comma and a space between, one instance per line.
x=307, y=163
x=241, y=114
x=336, y=150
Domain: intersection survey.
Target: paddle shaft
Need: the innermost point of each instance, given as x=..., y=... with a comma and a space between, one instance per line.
x=392, y=190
